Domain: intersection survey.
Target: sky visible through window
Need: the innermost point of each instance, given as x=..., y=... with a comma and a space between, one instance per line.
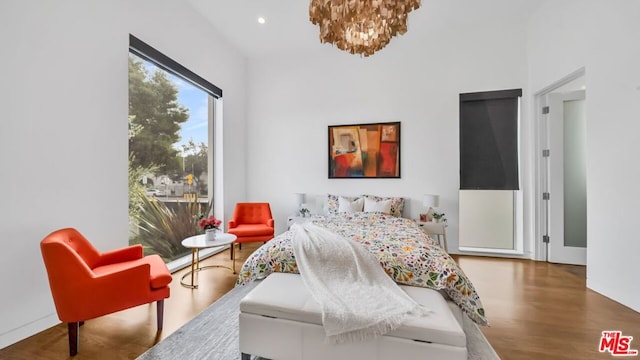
x=194, y=99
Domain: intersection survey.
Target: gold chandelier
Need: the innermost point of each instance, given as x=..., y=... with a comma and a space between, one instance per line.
x=360, y=26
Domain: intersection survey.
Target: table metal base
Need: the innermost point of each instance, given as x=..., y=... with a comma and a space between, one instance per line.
x=195, y=267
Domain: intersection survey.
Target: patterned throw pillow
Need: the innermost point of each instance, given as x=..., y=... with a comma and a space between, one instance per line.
x=397, y=203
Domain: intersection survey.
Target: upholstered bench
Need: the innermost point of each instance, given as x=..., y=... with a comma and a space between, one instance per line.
x=280, y=320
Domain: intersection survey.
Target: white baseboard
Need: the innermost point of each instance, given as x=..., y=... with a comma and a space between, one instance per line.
x=20, y=333
x=495, y=253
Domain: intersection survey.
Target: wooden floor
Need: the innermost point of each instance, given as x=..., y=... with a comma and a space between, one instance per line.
x=537, y=311
x=540, y=310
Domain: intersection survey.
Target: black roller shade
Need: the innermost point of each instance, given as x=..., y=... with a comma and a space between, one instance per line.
x=489, y=140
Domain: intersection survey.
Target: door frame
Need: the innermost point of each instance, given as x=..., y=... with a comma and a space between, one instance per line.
x=541, y=174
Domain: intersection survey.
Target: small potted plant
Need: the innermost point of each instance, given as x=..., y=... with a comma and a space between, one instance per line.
x=210, y=225
x=438, y=217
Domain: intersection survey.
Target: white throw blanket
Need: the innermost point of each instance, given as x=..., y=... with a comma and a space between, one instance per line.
x=359, y=300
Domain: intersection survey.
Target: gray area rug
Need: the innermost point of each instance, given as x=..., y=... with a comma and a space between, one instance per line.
x=213, y=334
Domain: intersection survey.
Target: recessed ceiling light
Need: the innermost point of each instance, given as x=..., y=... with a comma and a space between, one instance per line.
x=261, y=20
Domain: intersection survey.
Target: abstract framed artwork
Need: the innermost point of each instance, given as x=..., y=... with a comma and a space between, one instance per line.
x=364, y=151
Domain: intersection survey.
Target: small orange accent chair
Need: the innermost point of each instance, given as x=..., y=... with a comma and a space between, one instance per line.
x=86, y=284
x=251, y=222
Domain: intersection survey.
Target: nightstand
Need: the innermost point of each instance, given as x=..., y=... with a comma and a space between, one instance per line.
x=436, y=228
x=296, y=219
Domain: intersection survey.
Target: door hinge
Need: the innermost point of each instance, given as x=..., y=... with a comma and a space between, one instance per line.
x=545, y=153
x=545, y=110
x=545, y=239
x=546, y=196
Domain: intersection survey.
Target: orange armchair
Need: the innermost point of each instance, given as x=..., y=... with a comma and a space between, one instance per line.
x=251, y=222
x=86, y=284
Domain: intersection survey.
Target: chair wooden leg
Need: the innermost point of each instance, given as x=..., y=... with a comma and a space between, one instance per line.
x=232, y=247
x=73, y=337
x=160, y=310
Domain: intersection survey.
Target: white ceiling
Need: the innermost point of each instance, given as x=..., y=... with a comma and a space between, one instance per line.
x=288, y=30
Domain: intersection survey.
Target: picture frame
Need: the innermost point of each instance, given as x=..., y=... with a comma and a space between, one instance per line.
x=370, y=150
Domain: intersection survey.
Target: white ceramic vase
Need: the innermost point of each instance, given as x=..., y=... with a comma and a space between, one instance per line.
x=210, y=234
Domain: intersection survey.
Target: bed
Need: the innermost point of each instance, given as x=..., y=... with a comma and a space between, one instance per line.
x=406, y=253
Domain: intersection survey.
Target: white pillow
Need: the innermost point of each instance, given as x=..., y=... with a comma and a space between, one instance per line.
x=383, y=206
x=350, y=206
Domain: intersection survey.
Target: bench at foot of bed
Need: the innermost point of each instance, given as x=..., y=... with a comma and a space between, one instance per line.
x=280, y=320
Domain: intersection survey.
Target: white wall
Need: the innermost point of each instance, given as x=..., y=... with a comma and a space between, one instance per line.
x=294, y=99
x=63, y=129
x=603, y=37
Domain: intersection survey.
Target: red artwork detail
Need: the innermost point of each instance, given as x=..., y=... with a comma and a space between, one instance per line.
x=388, y=159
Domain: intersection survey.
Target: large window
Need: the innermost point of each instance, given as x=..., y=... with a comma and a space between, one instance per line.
x=170, y=150
x=489, y=175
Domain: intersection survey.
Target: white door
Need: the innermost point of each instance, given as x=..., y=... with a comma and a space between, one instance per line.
x=567, y=181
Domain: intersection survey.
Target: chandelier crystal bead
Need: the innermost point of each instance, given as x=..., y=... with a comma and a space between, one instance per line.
x=360, y=26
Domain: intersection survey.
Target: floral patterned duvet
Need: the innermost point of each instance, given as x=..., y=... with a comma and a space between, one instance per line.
x=406, y=253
